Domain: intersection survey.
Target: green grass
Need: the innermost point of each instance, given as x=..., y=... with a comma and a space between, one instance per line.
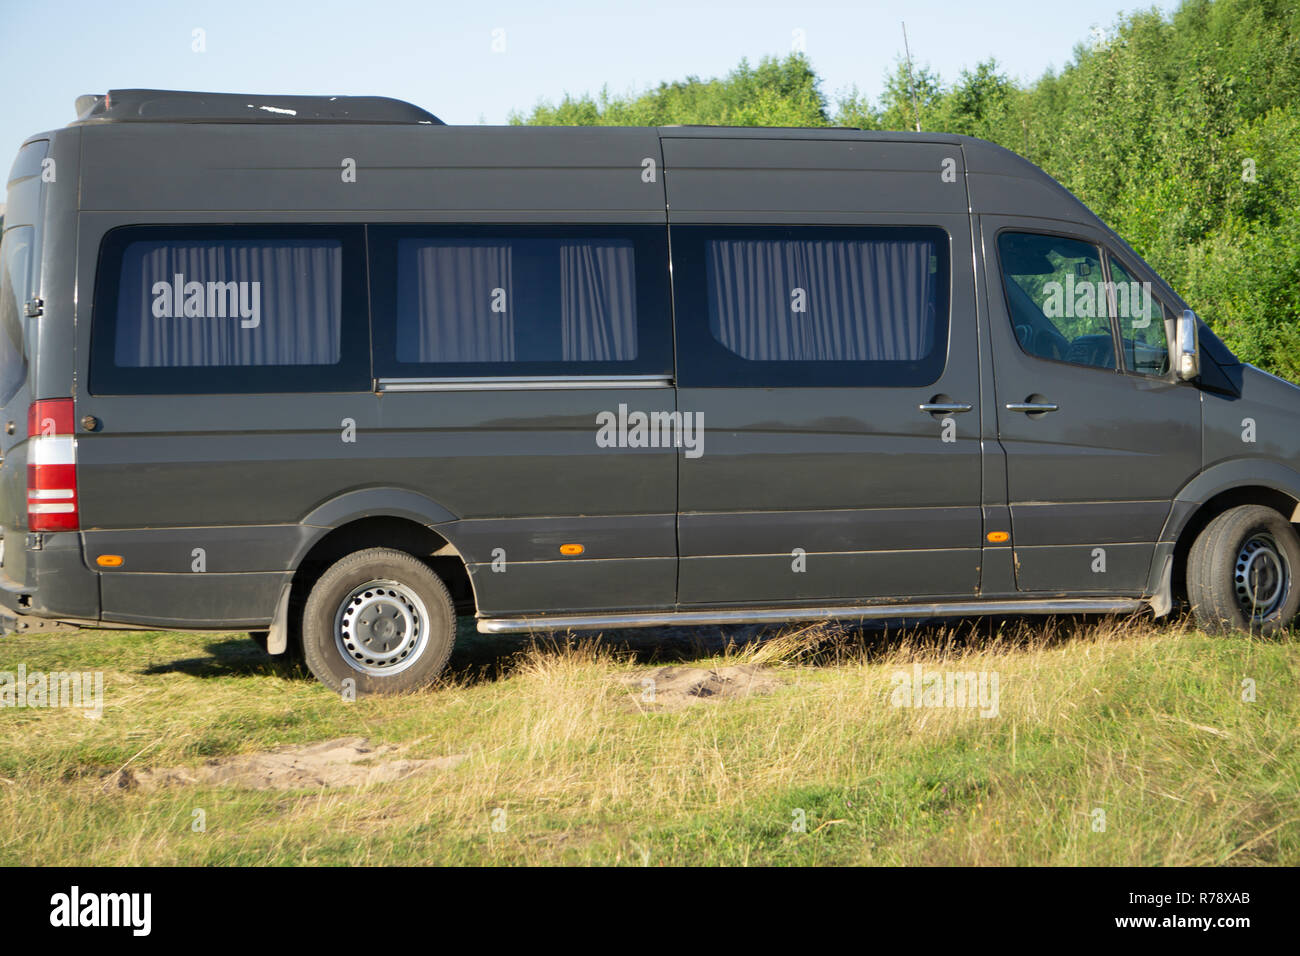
x=1143, y=721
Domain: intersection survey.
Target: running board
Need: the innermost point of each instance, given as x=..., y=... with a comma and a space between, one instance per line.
x=866, y=612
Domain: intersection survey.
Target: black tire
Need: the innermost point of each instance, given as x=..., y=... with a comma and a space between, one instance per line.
x=1241, y=572
x=354, y=643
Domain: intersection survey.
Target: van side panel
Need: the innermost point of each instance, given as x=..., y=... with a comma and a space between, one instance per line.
x=177, y=483
x=403, y=173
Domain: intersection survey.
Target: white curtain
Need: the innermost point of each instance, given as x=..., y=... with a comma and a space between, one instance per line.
x=447, y=291
x=554, y=299
x=822, y=300
x=299, y=314
x=597, y=301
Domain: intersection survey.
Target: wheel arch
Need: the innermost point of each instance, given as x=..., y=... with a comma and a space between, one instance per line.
x=1210, y=494
x=366, y=518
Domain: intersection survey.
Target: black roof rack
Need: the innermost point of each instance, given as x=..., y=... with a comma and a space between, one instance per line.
x=174, y=106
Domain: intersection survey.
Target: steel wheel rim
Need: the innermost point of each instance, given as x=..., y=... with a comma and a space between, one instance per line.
x=1261, y=577
x=381, y=628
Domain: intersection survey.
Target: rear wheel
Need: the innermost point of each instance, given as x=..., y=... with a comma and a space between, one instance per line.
x=381, y=619
x=1240, y=572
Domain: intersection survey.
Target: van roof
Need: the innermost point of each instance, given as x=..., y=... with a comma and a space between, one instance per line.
x=187, y=107
x=175, y=106
x=179, y=106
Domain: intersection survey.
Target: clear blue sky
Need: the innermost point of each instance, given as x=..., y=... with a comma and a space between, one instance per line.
x=440, y=55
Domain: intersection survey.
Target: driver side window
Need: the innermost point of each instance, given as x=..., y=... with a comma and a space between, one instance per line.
x=1056, y=296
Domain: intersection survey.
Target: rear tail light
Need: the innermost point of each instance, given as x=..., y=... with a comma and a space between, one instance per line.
x=51, y=466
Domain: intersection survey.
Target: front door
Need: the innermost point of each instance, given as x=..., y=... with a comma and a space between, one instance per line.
x=1099, y=435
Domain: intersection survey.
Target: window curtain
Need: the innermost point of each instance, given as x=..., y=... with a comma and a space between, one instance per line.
x=861, y=301
x=446, y=293
x=299, y=308
x=597, y=301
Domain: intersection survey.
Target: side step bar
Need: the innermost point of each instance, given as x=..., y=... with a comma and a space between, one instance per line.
x=865, y=612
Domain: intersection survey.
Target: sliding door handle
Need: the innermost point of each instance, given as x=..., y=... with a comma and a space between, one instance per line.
x=945, y=408
x=1032, y=408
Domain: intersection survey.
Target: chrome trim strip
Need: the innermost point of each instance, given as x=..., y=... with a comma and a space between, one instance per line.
x=865, y=612
x=467, y=384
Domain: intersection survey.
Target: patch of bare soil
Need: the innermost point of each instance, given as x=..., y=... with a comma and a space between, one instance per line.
x=345, y=762
x=672, y=688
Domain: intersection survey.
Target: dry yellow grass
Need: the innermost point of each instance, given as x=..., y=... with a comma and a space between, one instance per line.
x=567, y=763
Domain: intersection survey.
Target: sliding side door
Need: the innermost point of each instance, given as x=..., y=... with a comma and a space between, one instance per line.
x=826, y=341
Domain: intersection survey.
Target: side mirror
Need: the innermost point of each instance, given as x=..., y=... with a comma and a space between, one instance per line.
x=1187, y=347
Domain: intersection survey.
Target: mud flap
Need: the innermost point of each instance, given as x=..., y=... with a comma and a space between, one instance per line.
x=277, y=641
x=1162, y=602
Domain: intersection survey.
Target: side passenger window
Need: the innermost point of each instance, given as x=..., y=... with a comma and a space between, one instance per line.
x=229, y=303
x=822, y=300
x=1141, y=323
x=501, y=301
x=811, y=306
x=504, y=300
x=1056, y=297
x=222, y=309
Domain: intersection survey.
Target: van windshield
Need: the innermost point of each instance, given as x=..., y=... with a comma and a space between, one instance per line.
x=15, y=271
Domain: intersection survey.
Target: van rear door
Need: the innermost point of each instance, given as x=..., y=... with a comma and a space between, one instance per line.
x=19, y=287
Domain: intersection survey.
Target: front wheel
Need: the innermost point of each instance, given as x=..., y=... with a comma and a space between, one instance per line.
x=1240, y=572
x=381, y=619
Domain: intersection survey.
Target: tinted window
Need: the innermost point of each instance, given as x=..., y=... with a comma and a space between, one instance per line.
x=1141, y=322
x=230, y=309
x=522, y=300
x=15, y=267
x=517, y=300
x=229, y=303
x=1056, y=296
x=811, y=305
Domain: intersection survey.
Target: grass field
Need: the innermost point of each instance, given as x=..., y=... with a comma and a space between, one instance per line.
x=564, y=758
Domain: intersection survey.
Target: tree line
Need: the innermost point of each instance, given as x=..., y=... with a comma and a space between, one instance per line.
x=1182, y=132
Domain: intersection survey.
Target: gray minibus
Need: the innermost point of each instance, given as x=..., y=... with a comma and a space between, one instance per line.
x=330, y=371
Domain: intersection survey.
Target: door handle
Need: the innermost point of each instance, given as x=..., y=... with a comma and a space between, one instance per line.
x=945, y=407
x=1031, y=408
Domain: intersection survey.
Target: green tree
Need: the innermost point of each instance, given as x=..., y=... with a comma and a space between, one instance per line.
x=778, y=92
x=1181, y=132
